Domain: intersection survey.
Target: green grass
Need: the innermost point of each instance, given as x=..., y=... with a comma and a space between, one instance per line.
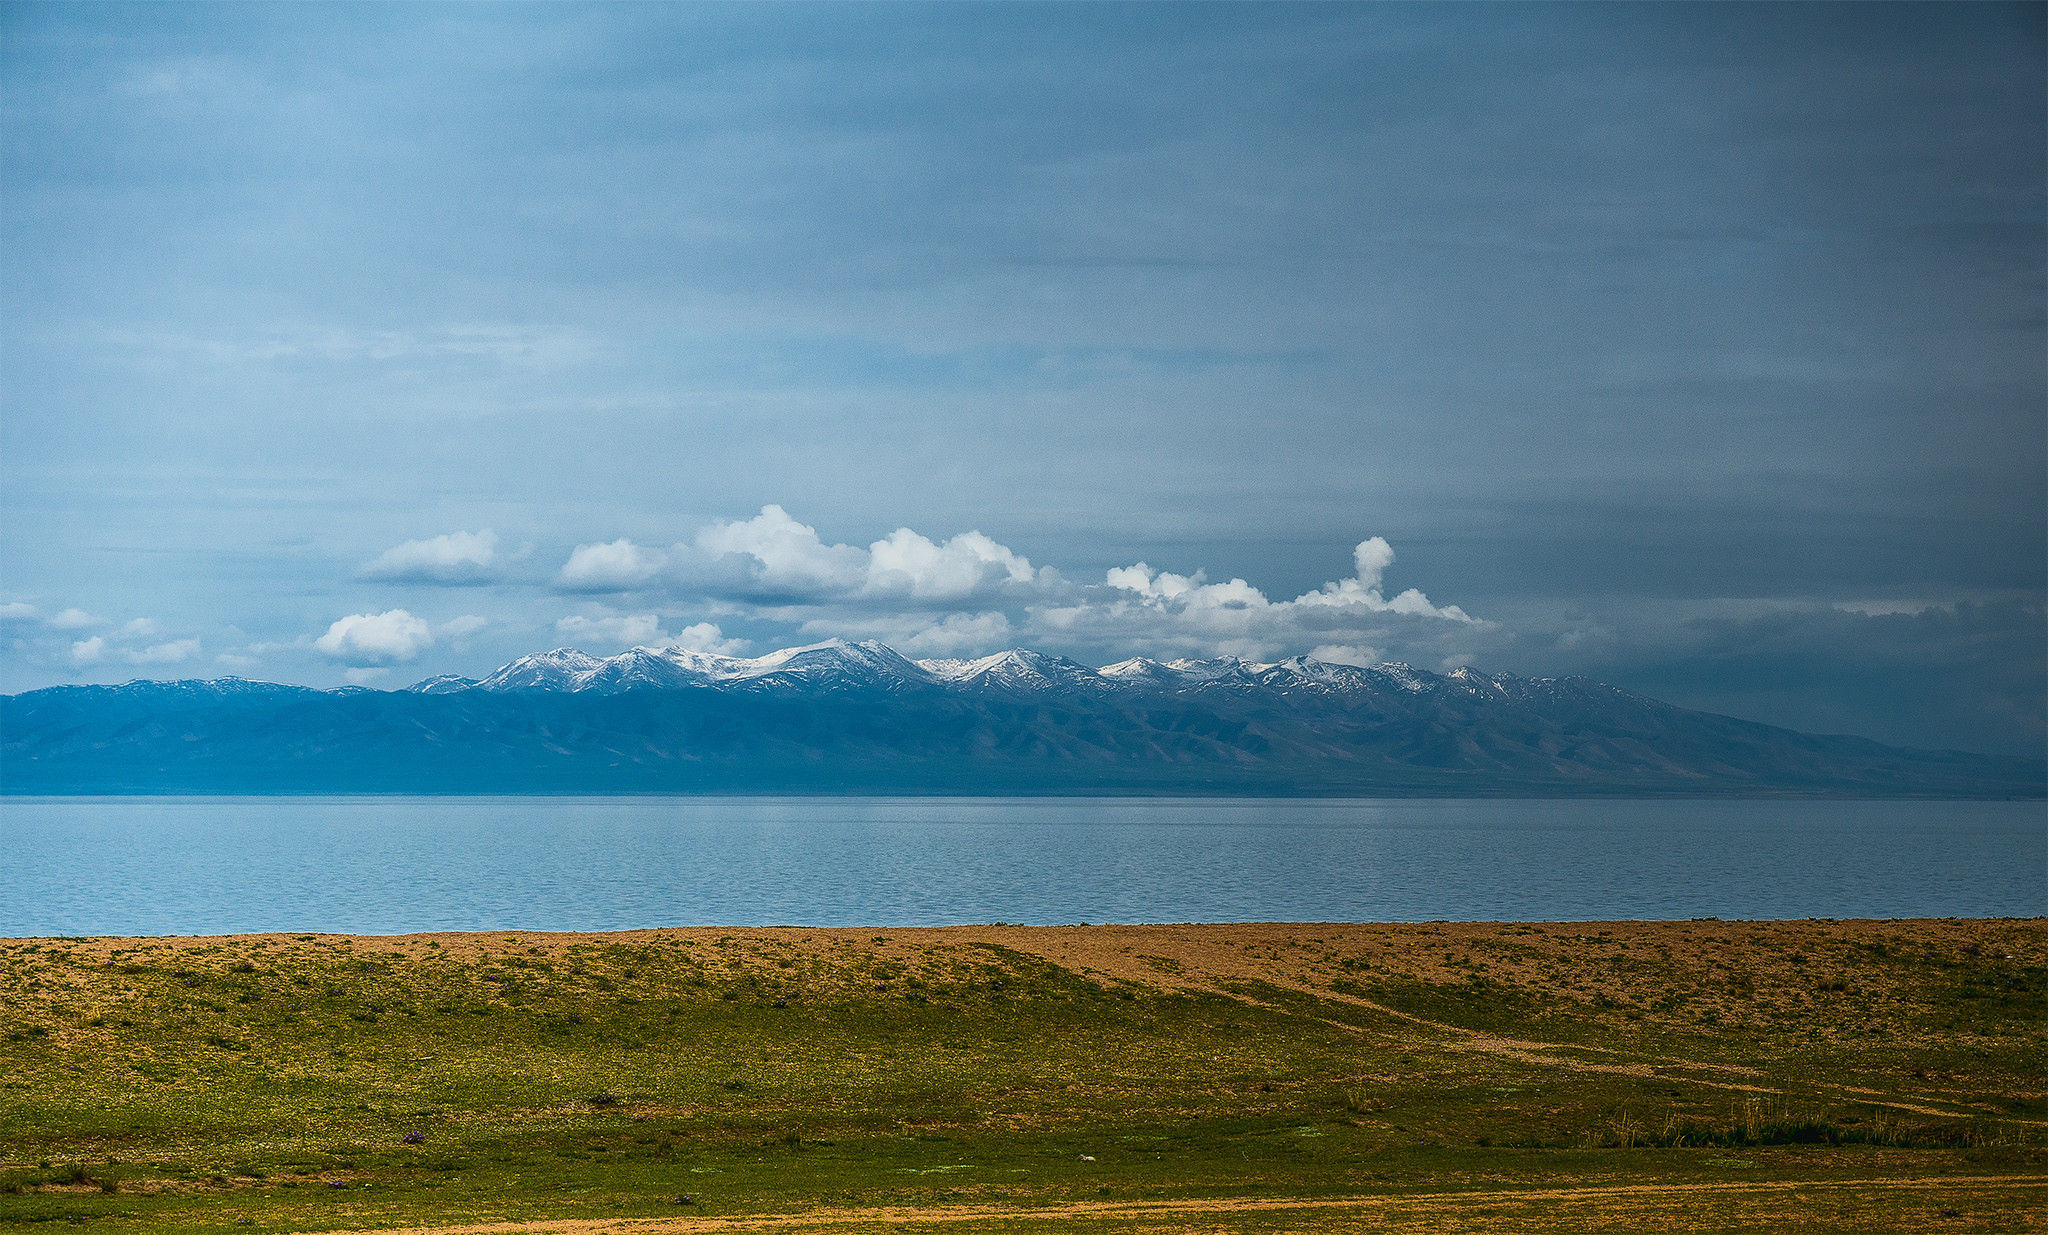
x=274, y=1083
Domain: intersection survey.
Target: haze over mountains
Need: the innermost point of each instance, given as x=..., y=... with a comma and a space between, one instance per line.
x=858, y=717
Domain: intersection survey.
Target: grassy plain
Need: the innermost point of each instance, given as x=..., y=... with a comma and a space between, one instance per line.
x=1823, y=1076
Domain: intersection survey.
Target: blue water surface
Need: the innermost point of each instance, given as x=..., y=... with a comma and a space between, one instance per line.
x=150, y=866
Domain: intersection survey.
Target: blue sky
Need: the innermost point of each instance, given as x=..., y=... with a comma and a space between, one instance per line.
x=1698, y=348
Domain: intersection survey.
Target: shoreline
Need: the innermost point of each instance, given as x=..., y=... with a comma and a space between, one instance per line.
x=952, y=930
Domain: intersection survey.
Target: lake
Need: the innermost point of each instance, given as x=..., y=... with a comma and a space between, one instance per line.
x=151, y=866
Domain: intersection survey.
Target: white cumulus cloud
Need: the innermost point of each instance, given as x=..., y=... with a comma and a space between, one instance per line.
x=706, y=637
x=1372, y=557
x=613, y=567
x=645, y=630
x=1194, y=595
x=1345, y=654
x=88, y=651
x=456, y=558
x=376, y=638
x=622, y=629
x=966, y=565
x=918, y=635
x=772, y=555
x=170, y=652
x=778, y=554
x=74, y=619
x=774, y=559
x=969, y=592
x=1161, y=613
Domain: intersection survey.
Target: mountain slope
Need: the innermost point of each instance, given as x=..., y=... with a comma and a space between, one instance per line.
x=860, y=717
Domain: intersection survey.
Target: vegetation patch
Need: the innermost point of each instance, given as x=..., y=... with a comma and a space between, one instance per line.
x=328, y=1082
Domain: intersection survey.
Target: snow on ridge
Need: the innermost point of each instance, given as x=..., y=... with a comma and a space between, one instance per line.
x=837, y=662
x=1016, y=668
x=569, y=669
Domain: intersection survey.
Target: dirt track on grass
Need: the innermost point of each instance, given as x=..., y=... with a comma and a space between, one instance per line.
x=1634, y=1205
x=1633, y=960
x=1222, y=960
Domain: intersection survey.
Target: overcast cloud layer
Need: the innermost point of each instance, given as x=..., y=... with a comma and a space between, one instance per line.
x=1695, y=348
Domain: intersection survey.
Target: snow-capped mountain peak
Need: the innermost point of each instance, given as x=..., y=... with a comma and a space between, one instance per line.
x=1217, y=671
x=1017, y=670
x=837, y=664
x=860, y=717
x=560, y=669
x=442, y=684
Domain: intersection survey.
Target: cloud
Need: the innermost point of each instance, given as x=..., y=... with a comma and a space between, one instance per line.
x=1370, y=560
x=375, y=638
x=168, y=653
x=1969, y=673
x=365, y=676
x=1345, y=654
x=135, y=642
x=706, y=637
x=525, y=347
x=235, y=660
x=917, y=635
x=624, y=629
x=778, y=554
x=969, y=592
x=644, y=630
x=969, y=564
x=773, y=558
x=615, y=567
x=1194, y=595
x=1138, y=608
x=456, y=559
x=178, y=76
x=1894, y=608
x=462, y=627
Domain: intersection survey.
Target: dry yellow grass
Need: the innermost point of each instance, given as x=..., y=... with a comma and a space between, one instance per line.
x=1256, y=1077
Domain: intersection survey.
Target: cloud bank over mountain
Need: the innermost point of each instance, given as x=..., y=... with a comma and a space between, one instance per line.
x=968, y=593
x=733, y=585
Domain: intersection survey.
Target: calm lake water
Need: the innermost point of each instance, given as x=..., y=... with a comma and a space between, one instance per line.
x=149, y=866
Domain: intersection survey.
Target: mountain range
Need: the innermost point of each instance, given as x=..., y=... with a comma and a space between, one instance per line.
x=859, y=717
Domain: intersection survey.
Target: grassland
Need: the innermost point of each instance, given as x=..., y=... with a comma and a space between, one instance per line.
x=1851, y=1076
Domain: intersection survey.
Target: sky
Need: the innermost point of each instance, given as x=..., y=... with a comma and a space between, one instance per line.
x=1699, y=349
